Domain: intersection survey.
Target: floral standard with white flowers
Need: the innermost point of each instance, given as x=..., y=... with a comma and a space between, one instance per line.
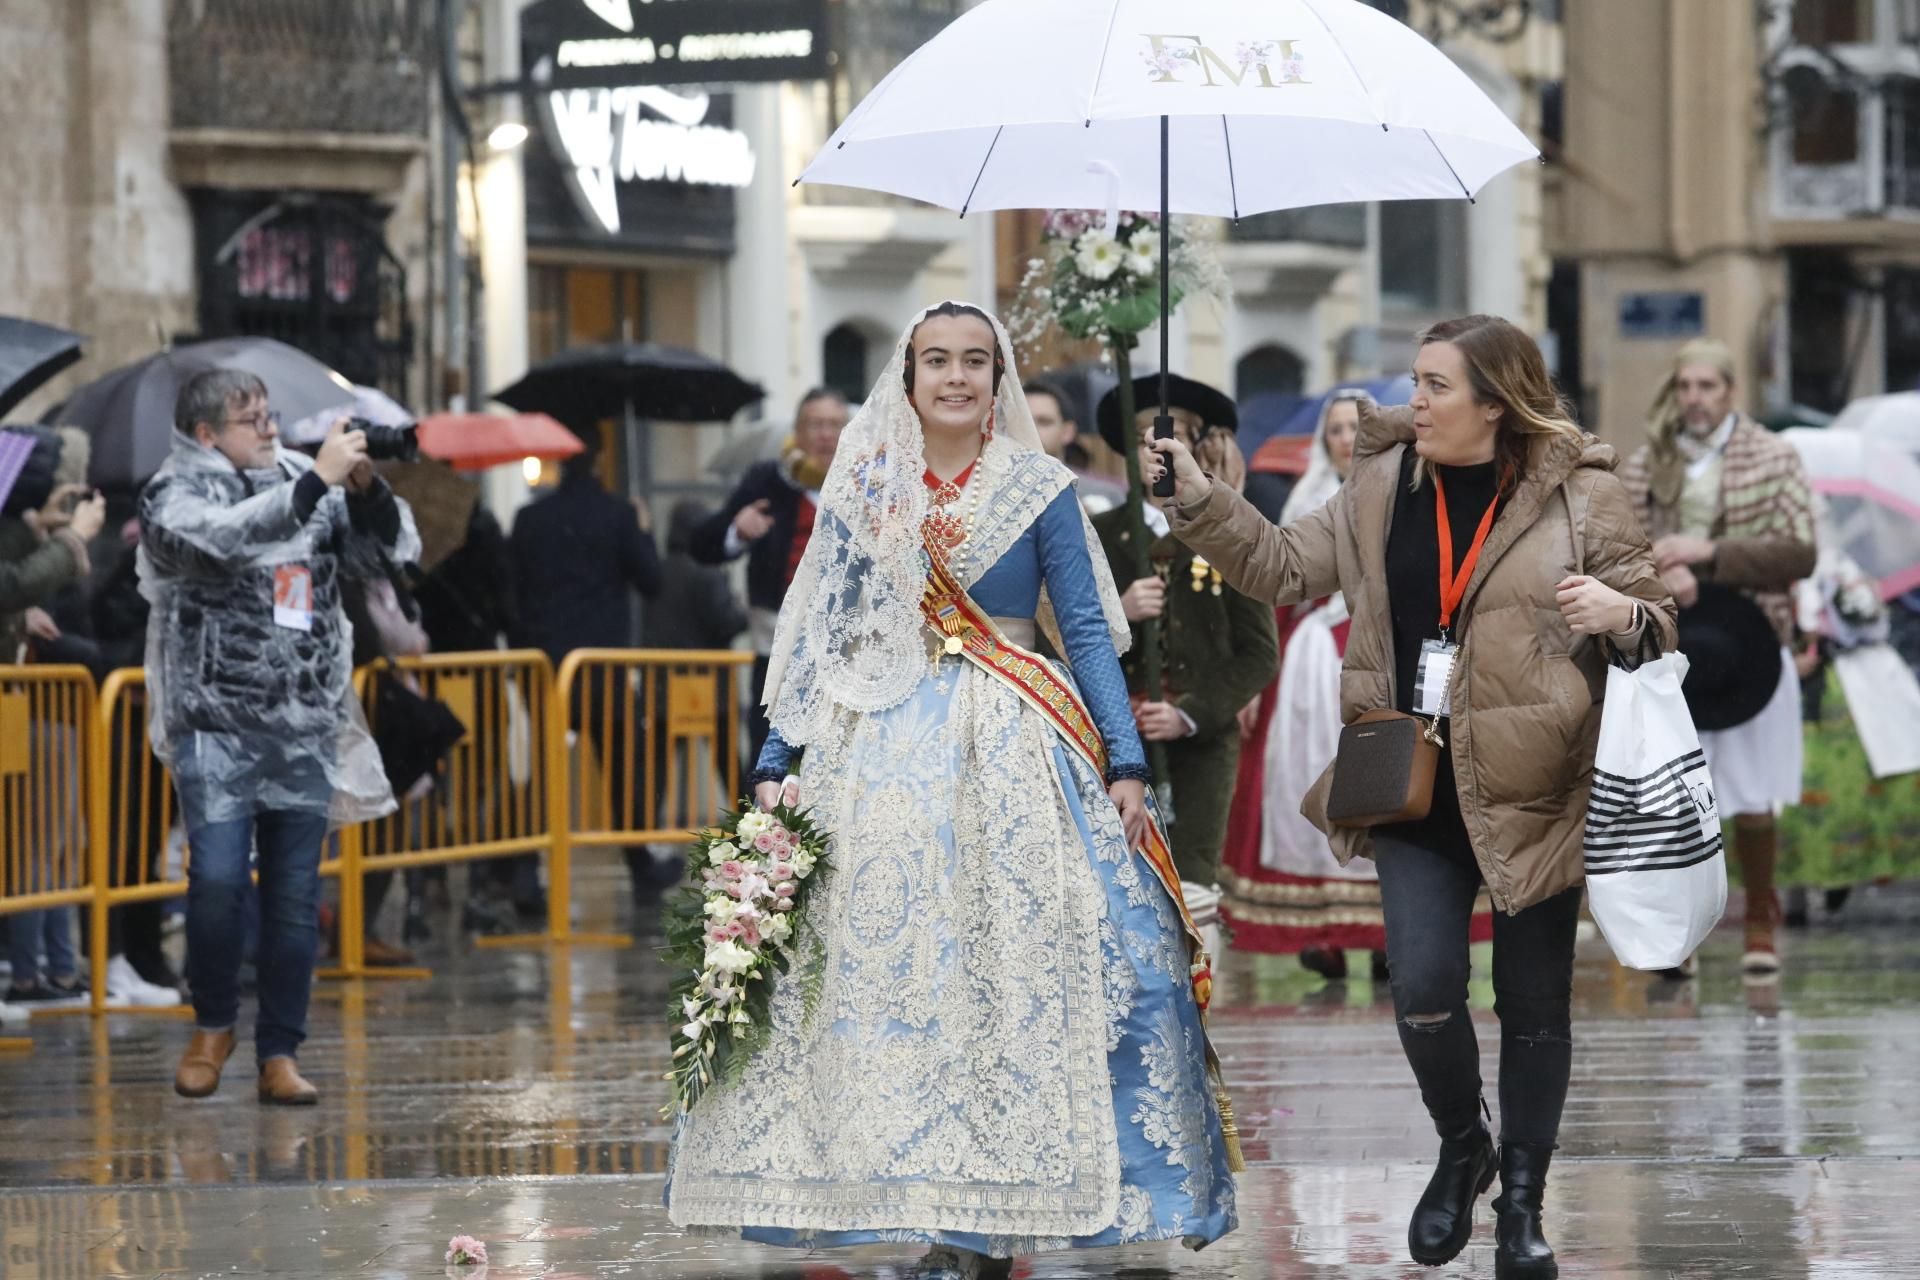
x=731, y=934
x=1093, y=282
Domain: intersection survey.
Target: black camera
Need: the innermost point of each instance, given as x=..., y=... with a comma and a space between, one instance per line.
x=389, y=444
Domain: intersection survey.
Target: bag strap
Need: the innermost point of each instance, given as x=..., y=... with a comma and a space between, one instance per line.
x=1577, y=521
x=1648, y=649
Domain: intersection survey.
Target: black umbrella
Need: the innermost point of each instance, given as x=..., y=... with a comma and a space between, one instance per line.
x=637, y=379
x=130, y=411
x=31, y=353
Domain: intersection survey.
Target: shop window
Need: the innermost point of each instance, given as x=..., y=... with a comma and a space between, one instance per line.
x=583, y=306
x=1825, y=119
x=1423, y=253
x=1825, y=22
x=1268, y=368
x=313, y=272
x=1901, y=292
x=1903, y=142
x=1821, y=288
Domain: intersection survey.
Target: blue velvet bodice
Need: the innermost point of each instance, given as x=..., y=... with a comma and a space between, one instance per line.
x=1052, y=550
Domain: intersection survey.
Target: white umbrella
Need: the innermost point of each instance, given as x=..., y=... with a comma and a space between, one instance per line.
x=1222, y=107
x=1871, y=484
x=1270, y=104
x=1894, y=418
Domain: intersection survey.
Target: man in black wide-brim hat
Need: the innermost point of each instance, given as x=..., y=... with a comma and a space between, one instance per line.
x=1218, y=648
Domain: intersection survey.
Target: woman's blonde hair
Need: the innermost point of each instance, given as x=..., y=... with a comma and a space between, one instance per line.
x=1505, y=367
x=1666, y=418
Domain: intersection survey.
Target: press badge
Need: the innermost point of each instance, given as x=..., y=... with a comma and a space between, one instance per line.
x=1431, y=684
x=293, y=597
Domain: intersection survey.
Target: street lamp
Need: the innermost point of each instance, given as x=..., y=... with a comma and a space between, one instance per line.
x=506, y=135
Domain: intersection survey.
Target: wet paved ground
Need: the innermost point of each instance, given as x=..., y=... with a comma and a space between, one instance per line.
x=1715, y=1129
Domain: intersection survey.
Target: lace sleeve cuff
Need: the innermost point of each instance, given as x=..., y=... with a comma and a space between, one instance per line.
x=1129, y=773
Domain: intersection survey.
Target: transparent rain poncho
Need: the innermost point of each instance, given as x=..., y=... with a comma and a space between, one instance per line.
x=251, y=709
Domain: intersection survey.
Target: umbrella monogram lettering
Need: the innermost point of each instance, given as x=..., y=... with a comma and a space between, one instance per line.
x=1169, y=54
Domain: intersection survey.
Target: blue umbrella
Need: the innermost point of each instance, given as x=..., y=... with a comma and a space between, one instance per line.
x=1280, y=413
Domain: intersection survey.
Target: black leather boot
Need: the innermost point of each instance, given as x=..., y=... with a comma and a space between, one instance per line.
x=1443, y=1220
x=1523, y=1253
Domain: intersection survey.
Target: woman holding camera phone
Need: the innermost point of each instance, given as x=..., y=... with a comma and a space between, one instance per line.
x=1482, y=542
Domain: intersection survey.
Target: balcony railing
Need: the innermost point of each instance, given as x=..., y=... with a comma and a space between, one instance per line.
x=327, y=66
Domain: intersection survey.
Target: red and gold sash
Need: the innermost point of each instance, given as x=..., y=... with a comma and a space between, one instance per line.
x=969, y=631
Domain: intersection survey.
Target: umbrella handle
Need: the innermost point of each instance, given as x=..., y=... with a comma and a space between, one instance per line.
x=1112, y=175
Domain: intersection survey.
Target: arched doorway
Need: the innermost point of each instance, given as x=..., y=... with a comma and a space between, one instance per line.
x=1270, y=367
x=846, y=360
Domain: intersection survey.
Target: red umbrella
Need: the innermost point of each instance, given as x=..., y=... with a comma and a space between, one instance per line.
x=476, y=441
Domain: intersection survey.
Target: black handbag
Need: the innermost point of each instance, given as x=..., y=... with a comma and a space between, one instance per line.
x=413, y=733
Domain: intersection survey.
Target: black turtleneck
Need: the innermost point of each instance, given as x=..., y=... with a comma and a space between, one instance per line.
x=1413, y=599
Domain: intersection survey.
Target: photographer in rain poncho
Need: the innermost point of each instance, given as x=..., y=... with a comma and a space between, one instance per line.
x=250, y=673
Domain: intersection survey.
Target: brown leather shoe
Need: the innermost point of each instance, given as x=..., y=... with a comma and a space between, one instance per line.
x=282, y=1085
x=199, y=1072
x=379, y=953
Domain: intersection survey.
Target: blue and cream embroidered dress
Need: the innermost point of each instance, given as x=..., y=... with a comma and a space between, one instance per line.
x=989, y=1039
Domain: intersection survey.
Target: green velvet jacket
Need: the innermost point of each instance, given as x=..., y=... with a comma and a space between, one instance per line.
x=1219, y=649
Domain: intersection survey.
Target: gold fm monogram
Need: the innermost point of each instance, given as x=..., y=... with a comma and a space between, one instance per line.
x=1184, y=48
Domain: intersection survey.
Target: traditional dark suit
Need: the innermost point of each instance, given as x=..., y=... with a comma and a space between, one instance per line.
x=770, y=561
x=1219, y=650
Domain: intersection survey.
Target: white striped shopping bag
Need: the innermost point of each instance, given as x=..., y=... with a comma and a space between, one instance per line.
x=1656, y=872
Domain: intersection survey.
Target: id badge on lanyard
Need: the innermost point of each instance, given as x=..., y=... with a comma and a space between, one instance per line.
x=1431, y=695
x=1433, y=678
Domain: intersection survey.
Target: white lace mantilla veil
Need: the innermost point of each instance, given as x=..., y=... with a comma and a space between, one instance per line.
x=849, y=635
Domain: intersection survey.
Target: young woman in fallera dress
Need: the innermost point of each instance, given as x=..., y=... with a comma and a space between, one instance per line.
x=990, y=1042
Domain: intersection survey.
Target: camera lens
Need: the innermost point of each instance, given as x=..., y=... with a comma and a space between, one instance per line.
x=391, y=444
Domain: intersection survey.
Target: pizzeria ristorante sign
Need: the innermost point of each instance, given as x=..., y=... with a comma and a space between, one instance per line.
x=622, y=89
x=604, y=44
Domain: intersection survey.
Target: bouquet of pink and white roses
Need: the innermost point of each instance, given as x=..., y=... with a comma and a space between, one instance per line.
x=730, y=934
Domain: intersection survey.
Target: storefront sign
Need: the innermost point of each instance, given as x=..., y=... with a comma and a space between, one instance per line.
x=604, y=44
x=639, y=133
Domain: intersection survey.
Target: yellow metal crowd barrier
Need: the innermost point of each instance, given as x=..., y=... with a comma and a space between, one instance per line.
x=644, y=747
x=133, y=855
x=46, y=743
x=491, y=798
x=622, y=747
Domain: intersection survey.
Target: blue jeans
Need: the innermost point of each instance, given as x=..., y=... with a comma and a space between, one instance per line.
x=25, y=933
x=218, y=889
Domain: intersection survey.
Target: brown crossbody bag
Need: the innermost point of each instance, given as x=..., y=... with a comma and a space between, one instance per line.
x=1385, y=769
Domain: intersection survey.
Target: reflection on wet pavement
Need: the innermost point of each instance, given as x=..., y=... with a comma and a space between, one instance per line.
x=1714, y=1129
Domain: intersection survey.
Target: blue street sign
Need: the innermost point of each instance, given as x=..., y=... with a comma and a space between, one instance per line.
x=1663, y=315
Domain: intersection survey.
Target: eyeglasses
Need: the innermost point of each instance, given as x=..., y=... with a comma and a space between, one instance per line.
x=261, y=424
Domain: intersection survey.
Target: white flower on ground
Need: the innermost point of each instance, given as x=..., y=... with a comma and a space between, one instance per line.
x=1097, y=255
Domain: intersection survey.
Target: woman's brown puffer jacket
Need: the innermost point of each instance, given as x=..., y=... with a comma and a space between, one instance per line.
x=1526, y=691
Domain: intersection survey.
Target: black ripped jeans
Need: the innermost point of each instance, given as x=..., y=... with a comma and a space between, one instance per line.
x=1427, y=898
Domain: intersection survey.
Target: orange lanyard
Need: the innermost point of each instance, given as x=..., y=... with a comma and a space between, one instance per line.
x=1453, y=588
